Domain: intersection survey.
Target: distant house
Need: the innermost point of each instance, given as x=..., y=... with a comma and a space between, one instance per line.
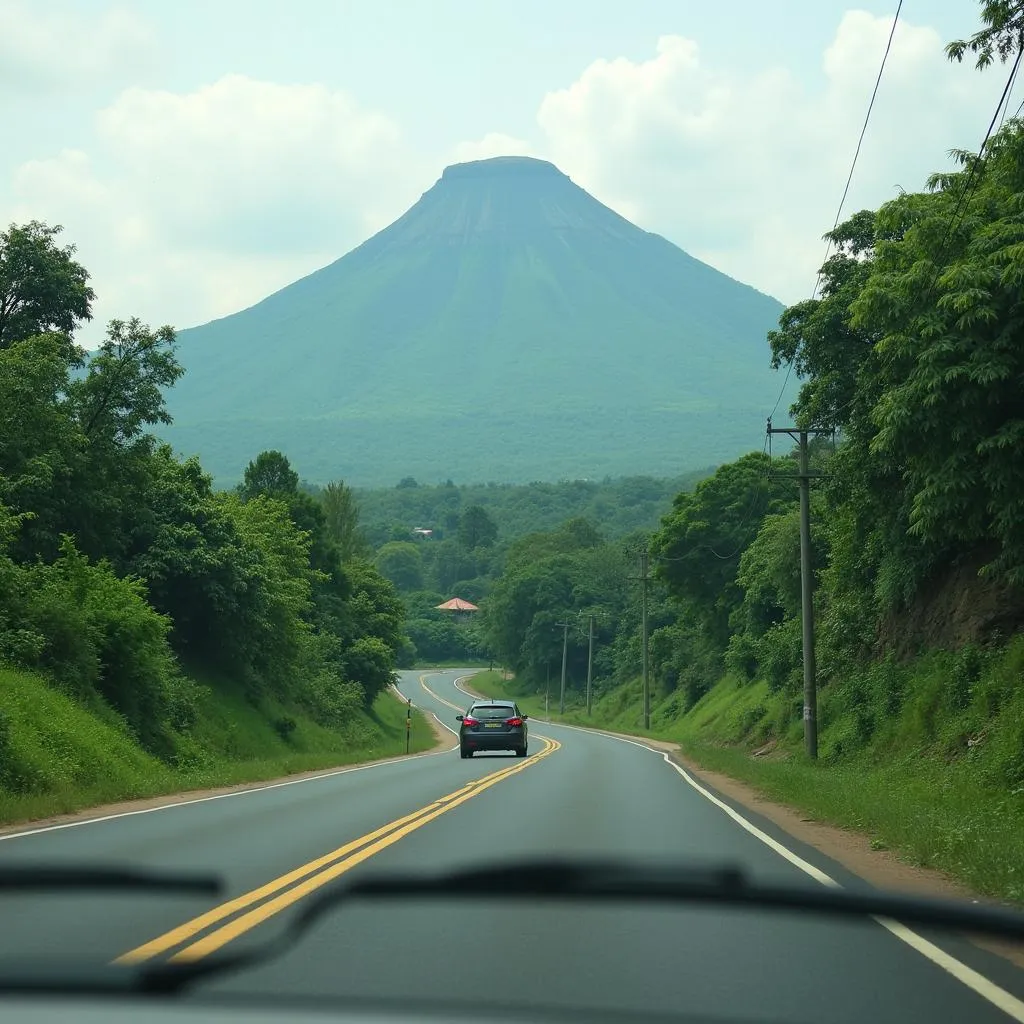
x=423, y=532
x=461, y=608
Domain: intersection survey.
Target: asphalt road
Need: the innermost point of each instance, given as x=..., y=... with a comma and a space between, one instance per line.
x=577, y=793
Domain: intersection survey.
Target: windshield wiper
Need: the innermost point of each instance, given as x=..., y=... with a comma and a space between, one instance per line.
x=30, y=878
x=597, y=882
x=594, y=882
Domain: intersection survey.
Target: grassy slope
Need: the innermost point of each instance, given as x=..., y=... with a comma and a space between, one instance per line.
x=939, y=781
x=57, y=756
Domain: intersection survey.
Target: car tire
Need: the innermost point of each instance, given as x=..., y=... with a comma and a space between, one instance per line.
x=521, y=752
x=465, y=752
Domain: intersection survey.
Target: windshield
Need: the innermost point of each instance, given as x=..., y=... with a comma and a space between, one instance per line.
x=501, y=711
x=448, y=437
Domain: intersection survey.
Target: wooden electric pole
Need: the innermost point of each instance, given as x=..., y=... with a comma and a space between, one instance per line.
x=644, y=580
x=590, y=659
x=565, y=652
x=804, y=475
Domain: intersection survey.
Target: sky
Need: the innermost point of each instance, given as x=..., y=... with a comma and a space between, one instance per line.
x=202, y=154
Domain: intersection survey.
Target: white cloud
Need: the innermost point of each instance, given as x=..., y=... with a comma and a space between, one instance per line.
x=187, y=206
x=63, y=49
x=745, y=168
x=198, y=204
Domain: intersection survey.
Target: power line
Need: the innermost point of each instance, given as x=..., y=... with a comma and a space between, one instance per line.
x=860, y=142
x=1006, y=105
x=972, y=176
x=1003, y=106
x=782, y=390
x=849, y=179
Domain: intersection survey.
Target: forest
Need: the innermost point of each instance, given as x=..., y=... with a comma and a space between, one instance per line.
x=130, y=585
x=910, y=363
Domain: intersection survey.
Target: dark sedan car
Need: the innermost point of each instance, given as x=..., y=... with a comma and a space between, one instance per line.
x=492, y=725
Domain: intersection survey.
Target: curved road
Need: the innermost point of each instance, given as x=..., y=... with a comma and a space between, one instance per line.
x=577, y=793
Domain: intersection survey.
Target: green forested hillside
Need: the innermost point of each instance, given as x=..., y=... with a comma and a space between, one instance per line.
x=912, y=352
x=138, y=592
x=508, y=327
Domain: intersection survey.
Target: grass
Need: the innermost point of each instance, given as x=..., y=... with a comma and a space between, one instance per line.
x=925, y=760
x=57, y=756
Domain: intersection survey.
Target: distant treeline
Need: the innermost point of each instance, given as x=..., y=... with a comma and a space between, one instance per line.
x=619, y=506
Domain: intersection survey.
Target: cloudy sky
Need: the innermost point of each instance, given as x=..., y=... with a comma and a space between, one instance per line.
x=203, y=153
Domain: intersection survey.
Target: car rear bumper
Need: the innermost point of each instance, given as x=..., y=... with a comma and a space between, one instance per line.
x=482, y=740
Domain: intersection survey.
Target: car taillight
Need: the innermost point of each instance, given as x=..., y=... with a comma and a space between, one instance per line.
x=470, y=720
x=513, y=721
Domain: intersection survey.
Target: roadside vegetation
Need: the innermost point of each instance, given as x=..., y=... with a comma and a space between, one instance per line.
x=59, y=756
x=912, y=354
x=142, y=602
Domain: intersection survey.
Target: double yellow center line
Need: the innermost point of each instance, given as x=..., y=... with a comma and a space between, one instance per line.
x=253, y=908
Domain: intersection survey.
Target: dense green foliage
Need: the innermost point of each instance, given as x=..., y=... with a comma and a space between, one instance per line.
x=912, y=353
x=475, y=530
x=620, y=506
x=124, y=573
x=59, y=755
x=508, y=327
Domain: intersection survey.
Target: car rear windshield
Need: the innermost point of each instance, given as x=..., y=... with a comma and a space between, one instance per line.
x=493, y=711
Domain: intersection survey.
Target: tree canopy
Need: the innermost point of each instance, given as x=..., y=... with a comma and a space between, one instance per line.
x=122, y=568
x=42, y=288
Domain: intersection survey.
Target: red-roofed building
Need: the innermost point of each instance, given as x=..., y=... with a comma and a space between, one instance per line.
x=457, y=604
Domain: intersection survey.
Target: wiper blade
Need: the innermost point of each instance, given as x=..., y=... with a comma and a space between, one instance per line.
x=597, y=882
x=30, y=878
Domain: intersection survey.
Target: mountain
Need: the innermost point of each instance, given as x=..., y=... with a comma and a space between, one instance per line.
x=507, y=327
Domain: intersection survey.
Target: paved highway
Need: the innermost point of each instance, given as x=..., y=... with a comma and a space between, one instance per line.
x=577, y=793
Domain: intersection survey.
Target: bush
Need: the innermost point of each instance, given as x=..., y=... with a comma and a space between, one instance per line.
x=96, y=636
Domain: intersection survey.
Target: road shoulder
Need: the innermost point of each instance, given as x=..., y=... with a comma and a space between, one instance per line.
x=443, y=743
x=851, y=849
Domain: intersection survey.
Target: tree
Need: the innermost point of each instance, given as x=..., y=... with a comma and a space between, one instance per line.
x=401, y=562
x=42, y=289
x=278, y=591
x=449, y=562
x=944, y=297
x=40, y=443
x=341, y=516
x=817, y=337
x=1002, y=36
x=123, y=390
x=476, y=528
x=270, y=473
x=698, y=548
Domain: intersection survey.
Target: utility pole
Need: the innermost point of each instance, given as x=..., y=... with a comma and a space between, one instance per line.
x=565, y=652
x=643, y=619
x=804, y=475
x=408, y=723
x=590, y=659
x=644, y=580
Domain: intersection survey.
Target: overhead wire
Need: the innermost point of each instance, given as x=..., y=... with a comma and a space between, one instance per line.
x=971, y=183
x=973, y=177
x=849, y=180
x=1006, y=106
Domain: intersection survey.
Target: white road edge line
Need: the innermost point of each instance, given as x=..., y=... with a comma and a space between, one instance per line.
x=975, y=981
x=443, y=726
x=224, y=796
